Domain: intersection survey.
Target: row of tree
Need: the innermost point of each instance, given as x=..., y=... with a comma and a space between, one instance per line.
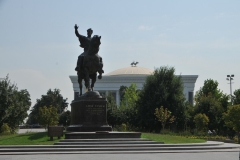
x=50, y=109
x=161, y=102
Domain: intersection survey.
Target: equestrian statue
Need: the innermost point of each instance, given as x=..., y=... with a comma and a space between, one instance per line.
x=89, y=62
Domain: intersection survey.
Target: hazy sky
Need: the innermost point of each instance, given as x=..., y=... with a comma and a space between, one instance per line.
x=39, y=50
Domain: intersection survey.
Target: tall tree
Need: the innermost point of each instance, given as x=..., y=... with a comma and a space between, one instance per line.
x=122, y=91
x=14, y=104
x=162, y=88
x=210, y=87
x=212, y=102
x=113, y=115
x=236, y=97
x=52, y=98
x=130, y=97
x=213, y=109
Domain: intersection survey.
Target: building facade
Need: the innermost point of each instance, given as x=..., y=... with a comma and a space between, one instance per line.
x=112, y=82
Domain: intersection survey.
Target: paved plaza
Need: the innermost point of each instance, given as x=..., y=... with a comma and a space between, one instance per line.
x=156, y=156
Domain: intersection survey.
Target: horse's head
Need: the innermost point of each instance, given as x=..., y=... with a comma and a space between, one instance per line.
x=94, y=44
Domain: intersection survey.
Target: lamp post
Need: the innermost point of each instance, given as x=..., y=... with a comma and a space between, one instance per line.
x=230, y=78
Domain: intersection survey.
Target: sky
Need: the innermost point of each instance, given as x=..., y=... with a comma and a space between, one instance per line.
x=39, y=49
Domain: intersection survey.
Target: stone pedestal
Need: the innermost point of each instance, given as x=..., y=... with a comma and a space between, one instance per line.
x=89, y=114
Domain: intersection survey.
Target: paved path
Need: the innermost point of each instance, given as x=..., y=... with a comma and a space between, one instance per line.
x=157, y=156
x=31, y=130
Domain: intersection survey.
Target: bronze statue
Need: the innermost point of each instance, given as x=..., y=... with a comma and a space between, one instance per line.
x=89, y=62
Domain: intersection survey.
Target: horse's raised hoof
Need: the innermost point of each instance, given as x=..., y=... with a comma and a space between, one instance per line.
x=100, y=77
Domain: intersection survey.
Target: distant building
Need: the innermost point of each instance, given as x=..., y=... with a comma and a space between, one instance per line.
x=112, y=81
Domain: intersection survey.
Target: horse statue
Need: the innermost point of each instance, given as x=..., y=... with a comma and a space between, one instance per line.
x=90, y=64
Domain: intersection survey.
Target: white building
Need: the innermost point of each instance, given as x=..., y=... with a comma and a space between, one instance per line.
x=112, y=81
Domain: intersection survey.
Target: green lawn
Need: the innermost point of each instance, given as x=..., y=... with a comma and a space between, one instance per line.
x=34, y=138
x=168, y=139
x=41, y=138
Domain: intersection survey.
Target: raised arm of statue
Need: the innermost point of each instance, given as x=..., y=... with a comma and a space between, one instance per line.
x=76, y=31
x=82, y=39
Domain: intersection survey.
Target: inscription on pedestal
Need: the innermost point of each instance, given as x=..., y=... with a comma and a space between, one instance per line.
x=95, y=113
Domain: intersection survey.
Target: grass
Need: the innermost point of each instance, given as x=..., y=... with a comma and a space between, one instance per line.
x=32, y=138
x=41, y=138
x=169, y=139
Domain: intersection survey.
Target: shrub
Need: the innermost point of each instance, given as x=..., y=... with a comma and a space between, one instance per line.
x=5, y=129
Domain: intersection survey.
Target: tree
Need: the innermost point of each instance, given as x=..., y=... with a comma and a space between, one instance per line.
x=130, y=97
x=164, y=116
x=52, y=98
x=212, y=102
x=232, y=120
x=112, y=117
x=201, y=121
x=212, y=108
x=162, y=88
x=236, y=97
x=14, y=104
x=122, y=91
x=48, y=116
x=125, y=114
x=210, y=86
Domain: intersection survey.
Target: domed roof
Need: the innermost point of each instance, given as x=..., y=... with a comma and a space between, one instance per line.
x=134, y=70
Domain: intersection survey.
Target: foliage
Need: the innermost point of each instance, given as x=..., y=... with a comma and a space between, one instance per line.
x=212, y=102
x=122, y=91
x=162, y=88
x=210, y=87
x=126, y=113
x=130, y=97
x=14, y=104
x=201, y=121
x=5, y=129
x=232, y=120
x=48, y=116
x=65, y=118
x=236, y=97
x=112, y=115
x=231, y=117
x=212, y=108
x=189, y=115
x=52, y=98
x=121, y=128
x=164, y=115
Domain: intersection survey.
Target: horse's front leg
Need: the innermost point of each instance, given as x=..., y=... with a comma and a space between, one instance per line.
x=93, y=77
x=80, y=86
x=80, y=82
x=87, y=79
x=100, y=71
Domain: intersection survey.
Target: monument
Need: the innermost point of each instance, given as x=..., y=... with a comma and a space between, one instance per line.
x=89, y=111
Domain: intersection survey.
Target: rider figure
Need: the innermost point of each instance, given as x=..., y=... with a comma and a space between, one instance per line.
x=84, y=43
